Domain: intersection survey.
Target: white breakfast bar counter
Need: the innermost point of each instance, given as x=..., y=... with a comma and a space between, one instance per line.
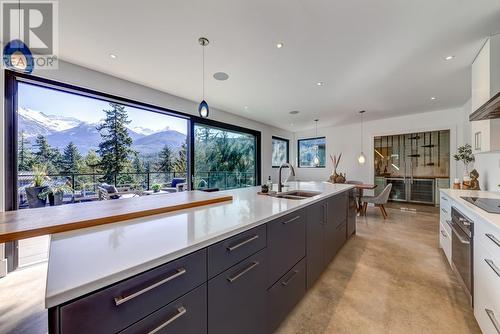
x=86, y=260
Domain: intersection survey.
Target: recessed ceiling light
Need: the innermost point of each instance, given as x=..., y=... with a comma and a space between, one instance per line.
x=320, y=83
x=449, y=57
x=245, y=107
x=279, y=45
x=433, y=98
x=294, y=112
x=112, y=56
x=221, y=76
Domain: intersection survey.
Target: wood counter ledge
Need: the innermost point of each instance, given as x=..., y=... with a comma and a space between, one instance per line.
x=27, y=223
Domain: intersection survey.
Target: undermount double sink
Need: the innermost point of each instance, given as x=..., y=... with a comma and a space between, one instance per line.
x=296, y=194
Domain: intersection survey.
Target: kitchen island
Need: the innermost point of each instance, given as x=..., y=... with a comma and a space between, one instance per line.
x=231, y=267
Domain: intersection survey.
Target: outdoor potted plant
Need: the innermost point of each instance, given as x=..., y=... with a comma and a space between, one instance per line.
x=55, y=193
x=156, y=187
x=38, y=185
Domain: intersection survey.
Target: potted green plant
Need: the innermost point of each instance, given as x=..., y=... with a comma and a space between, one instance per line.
x=464, y=154
x=156, y=187
x=39, y=179
x=55, y=193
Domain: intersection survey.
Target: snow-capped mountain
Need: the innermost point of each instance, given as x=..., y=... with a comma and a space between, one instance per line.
x=62, y=130
x=34, y=122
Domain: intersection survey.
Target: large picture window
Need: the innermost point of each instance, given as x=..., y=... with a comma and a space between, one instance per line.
x=73, y=149
x=280, y=151
x=310, y=151
x=224, y=158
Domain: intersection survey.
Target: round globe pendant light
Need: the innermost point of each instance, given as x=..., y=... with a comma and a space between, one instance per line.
x=316, y=160
x=361, y=158
x=203, y=108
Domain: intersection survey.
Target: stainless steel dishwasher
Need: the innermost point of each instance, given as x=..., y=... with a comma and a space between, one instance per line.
x=462, y=248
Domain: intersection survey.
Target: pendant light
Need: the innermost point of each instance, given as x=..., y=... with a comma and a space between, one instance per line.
x=316, y=160
x=203, y=108
x=16, y=54
x=361, y=158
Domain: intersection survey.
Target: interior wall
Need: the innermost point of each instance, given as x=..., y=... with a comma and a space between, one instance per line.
x=90, y=79
x=347, y=140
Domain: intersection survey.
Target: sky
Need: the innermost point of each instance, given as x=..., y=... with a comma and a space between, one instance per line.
x=53, y=102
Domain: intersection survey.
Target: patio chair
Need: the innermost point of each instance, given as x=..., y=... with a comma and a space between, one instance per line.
x=107, y=192
x=379, y=200
x=177, y=184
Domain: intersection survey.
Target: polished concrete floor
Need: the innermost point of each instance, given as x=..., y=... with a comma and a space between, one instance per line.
x=389, y=278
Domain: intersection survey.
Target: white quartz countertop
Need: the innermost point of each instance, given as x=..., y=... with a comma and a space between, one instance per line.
x=85, y=260
x=469, y=208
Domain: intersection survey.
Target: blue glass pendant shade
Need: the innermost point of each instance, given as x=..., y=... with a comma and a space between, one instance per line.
x=203, y=109
x=17, y=56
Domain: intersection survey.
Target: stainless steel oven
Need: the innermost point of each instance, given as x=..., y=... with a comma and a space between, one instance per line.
x=462, y=247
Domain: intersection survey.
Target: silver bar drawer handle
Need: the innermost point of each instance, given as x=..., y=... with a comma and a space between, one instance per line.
x=180, y=312
x=493, y=266
x=448, y=222
x=493, y=238
x=244, y=242
x=443, y=234
x=291, y=220
x=444, y=210
x=243, y=272
x=491, y=315
x=120, y=300
x=294, y=274
x=444, y=198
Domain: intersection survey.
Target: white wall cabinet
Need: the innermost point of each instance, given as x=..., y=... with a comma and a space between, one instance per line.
x=485, y=74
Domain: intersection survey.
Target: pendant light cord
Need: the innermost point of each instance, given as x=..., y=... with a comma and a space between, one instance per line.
x=203, y=73
x=361, y=132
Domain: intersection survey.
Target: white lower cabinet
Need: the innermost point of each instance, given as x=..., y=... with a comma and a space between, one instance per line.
x=486, y=290
x=445, y=240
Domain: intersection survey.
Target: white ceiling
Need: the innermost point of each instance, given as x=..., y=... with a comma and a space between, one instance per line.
x=385, y=56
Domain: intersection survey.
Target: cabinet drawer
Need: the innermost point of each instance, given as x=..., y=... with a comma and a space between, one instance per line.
x=231, y=251
x=489, y=237
x=486, y=291
x=286, y=243
x=445, y=241
x=446, y=225
x=337, y=208
x=237, y=298
x=340, y=237
x=285, y=294
x=186, y=315
x=116, y=307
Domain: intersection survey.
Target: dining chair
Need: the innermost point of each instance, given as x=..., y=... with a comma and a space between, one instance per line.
x=379, y=200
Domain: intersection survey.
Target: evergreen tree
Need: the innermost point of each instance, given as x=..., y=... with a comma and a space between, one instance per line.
x=114, y=148
x=138, y=165
x=24, y=154
x=47, y=155
x=166, y=160
x=70, y=159
x=44, y=153
x=181, y=161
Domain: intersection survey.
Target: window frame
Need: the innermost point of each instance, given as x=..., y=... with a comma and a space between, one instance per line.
x=298, y=151
x=229, y=127
x=287, y=149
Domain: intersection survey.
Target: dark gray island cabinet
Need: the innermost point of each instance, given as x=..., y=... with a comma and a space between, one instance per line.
x=248, y=283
